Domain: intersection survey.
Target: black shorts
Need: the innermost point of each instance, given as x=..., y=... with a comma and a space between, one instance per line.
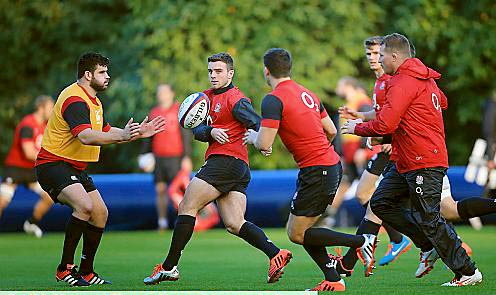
x=18, y=175
x=315, y=189
x=225, y=173
x=166, y=168
x=377, y=163
x=55, y=176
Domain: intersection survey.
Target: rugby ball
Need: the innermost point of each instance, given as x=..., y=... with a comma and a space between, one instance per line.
x=193, y=110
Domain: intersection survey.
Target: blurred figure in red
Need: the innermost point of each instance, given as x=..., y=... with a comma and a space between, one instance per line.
x=354, y=154
x=208, y=217
x=19, y=163
x=171, y=150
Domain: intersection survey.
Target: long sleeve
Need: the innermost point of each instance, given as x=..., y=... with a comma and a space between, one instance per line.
x=243, y=112
x=387, y=121
x=202, y=132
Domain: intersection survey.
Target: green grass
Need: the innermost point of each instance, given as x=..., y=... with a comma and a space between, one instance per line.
x=216, y=260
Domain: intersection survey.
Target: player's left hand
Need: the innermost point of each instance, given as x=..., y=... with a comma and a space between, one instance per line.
x=150, y=128
x=349, y=127
x=250, y=136
x=386, y=148
x=266, y=152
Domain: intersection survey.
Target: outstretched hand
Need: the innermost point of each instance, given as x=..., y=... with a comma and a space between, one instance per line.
x=346, y=113
x=150, y=128
x=131, y=130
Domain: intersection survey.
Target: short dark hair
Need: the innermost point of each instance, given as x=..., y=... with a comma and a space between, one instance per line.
x=89, y=62
x=42, y=100
x=278, y=61
x=397, y=43
x=223, y=57
x=375, y=40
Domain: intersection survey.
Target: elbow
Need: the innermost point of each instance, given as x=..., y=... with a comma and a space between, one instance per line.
x=332, y=133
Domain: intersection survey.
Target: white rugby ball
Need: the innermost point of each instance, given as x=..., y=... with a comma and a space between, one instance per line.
x=194, y=110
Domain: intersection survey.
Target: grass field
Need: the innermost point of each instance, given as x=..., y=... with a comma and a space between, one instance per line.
x=216, y=260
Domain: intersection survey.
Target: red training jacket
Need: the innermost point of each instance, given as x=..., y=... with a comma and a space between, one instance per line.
x=412, y=113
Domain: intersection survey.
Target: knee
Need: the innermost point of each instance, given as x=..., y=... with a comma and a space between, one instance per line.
x=362, y=195
x=233, y=226
x=85, y=208
x=296, y=236
x=161, y=189
x=186, y=208
x=103, y=212
x=449, y=211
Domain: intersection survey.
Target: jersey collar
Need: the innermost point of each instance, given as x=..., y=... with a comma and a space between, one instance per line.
x=223, y=89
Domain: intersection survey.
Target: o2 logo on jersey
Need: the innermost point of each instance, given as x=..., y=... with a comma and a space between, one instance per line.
x=309, y=101
x=435, y=102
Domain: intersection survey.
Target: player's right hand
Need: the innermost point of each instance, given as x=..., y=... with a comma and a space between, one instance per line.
x=220, y=135
x=346, y=113
x=131, y=130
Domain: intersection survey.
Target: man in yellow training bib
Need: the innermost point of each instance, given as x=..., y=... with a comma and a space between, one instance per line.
x=72, y=138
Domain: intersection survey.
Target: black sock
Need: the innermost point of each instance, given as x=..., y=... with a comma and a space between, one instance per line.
x=474, y=207
x=181, y=236
x=327, y=237
x=73, y=232
x=365, y=227
x=394, y=235
x=319, y=255
x=33, y=220
x=256, y=237
x=91, y=240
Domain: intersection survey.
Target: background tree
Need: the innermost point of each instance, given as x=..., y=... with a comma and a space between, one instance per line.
x=168, y=41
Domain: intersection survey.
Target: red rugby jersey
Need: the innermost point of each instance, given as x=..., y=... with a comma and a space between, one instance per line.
x=379, y=97
x=169, y=142
x=222, y=103
x=297, y=113
x=27, y=130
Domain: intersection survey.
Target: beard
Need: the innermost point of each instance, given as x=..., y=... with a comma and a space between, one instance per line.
x=98, y=86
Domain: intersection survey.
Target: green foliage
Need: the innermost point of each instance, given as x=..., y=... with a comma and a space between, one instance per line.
x=168, y=41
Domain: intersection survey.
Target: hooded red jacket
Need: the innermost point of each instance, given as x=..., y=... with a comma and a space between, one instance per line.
x=413, y=115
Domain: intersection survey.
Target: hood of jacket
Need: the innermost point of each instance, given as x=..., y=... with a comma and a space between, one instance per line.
x=415, y=68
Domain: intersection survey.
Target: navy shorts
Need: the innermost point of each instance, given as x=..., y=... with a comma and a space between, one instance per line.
x=315, y=189
x=225, y=173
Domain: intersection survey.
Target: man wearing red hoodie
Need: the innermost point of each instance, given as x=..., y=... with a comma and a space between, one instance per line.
x=413, y=115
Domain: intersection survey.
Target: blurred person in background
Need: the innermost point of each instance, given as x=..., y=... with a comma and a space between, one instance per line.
x=489, y=134
x=19, y=163
x=354, y=155
x=171, y=150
